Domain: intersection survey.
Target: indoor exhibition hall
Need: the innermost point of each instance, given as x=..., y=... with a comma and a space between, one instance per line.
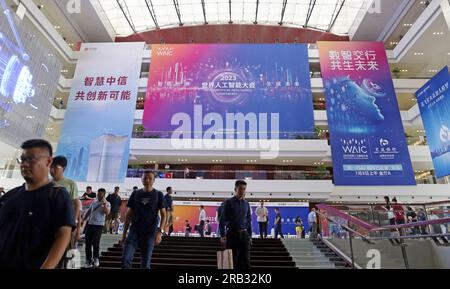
x=207, y=135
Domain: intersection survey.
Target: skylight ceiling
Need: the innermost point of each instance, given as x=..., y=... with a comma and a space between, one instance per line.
x=131, y=16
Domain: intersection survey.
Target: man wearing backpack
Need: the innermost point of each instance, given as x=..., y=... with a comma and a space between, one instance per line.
x=37, y=218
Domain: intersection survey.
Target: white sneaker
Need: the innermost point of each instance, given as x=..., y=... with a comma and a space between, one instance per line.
x=88, y=265
x=96, y=263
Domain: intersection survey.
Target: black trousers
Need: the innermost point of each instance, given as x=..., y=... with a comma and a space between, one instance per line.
x=262, y=229
x=201, y=229
x=278, y=231
x=93, y=236
x=239, y=242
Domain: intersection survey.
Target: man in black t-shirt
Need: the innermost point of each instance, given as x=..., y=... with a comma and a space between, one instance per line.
x=37, y=218
x=169, y=209
x=142, y=218
x=277, y=224
x=115, y=201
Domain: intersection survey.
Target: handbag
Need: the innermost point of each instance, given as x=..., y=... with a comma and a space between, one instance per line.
x=225, y=259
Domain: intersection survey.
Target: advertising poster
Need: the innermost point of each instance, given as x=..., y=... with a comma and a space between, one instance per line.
x=229, y=91
x=366, y=132
x=98, y=123
x=434, y=105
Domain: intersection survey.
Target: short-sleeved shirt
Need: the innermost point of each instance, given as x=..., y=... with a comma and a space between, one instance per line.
x=115, y=201
x=278, y=217
x=202, y=216
x=261, y=213
x=29, y=221
x=398, y=212
x=70, y=186
x=92, y=195
x=96, y=213
x=312, y=217
x=169, y=201
x=146, y=206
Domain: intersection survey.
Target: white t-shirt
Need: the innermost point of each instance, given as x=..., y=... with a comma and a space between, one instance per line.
x=202, y=215
x=312, y=217
x=261, y=213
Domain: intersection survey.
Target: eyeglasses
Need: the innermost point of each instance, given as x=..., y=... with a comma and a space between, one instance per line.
x=29, y=160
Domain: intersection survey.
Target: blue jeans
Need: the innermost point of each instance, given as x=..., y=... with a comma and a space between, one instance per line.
x=136, y=240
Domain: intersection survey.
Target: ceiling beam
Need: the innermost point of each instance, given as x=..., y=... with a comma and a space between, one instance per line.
x=312, y=5
x=283, y=9
x=256, y=14
x=151, y=10
x=335, y=15
x=204, y=11
x=123, y=6
x=177, y=9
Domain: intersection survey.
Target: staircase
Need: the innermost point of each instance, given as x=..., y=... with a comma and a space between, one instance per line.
x=201, y=253
x=106, y=241
x=309, y=254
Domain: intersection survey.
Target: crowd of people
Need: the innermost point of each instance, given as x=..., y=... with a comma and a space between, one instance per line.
x=42, y=220
x=397, y=215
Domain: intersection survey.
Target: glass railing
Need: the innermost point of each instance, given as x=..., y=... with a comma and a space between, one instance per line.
x=213, y=174
x=237, y=174
x=367, y=245
x=377, y=215
x=235, y=135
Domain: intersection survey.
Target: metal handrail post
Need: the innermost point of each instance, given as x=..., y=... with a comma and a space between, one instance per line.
x=405, y=255
x=351, y=245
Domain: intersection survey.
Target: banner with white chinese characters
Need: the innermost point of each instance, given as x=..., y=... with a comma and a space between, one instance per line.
x=434, y=104
x=368, y=142
x=210, y=87
x=99, y=118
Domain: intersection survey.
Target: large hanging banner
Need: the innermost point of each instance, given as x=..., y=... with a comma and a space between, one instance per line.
x=366, y=132
x=99, y=119
x=434, y=105
x=229, y=91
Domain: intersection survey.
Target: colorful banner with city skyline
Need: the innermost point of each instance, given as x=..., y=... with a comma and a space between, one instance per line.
x=366, y=131
x=207, y=84
x=434, y=104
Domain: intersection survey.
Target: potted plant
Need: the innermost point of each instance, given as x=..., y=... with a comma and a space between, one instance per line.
x=140, y=129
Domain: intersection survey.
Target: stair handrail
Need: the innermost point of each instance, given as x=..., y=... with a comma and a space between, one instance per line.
x=347, y=217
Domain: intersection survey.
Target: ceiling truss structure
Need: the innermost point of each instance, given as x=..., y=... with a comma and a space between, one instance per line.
x=132, y=16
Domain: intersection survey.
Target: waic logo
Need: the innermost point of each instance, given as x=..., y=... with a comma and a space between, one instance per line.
x=164, y=51
x=354, y=146
x=384, y=142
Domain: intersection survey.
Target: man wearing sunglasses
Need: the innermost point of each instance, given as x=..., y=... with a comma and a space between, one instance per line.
x=37, y=218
